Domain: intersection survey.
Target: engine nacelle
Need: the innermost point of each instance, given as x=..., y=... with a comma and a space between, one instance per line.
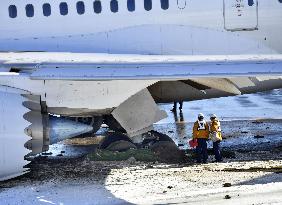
x=12, y=136
x=26, y=130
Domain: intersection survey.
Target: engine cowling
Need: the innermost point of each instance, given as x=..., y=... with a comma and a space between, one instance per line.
x=12, y=135
x=26, y=130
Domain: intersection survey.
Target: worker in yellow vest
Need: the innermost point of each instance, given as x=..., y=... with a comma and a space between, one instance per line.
x=216, y=137
x=201, y=133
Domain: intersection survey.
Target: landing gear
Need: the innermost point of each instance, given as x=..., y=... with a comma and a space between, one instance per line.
x=117, y=142
x=153, y=138
x=163, y=147
x=113, y=124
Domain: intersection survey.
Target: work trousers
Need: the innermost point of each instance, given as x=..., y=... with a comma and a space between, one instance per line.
x=216, y=151
x=202, y=151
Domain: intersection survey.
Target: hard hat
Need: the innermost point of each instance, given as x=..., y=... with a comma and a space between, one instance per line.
x=201, y=115
x=213, y=116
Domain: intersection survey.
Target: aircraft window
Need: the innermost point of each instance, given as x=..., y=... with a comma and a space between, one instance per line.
x=97, y=6
x=64, y=8
x=251, y=2
x=29, y=10
x=114, y=6
x=13, y=11
x=164, y=4
x=46, y=9
x=148, y=5
x=131, y=5
x=80, y=7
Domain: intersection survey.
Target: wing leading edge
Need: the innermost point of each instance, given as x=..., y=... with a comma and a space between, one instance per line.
x=77, y=66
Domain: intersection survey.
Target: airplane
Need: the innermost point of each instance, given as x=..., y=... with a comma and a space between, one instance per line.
x=68, y=66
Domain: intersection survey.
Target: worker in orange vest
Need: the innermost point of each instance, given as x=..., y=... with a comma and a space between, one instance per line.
x=216, y=137
x=201, y=133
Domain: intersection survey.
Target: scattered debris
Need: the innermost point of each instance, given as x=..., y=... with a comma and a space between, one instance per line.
x=59, y=155
x=257, y=122
x=227, y=184
x=170, y=187
x=46, y=153
x=244, y=132
x=149, y=166
x=227, y=197
x=258, y=136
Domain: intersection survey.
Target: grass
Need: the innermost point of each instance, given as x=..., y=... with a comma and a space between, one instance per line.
x=143, y=155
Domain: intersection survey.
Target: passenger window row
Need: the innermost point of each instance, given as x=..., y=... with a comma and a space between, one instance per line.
x=80, y=7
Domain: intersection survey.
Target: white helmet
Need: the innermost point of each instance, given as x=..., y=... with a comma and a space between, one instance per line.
x=213, y=116
x=201, y=115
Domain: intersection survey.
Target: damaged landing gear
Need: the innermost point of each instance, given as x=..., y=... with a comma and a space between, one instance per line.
x=149, y=140
x=117, y=142
x=162, y=146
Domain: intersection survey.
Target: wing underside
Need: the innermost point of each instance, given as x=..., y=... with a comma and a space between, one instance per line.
x=220, y=72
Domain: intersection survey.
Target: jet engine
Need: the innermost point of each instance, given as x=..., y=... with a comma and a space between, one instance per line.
x=25, y=129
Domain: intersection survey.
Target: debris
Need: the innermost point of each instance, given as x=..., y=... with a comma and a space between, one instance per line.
x=257, y=122
x=62, y=152
x=180, y=145
x=170, y=187
x=46, y=153
x=170, y=131
x=149, y=166
x=227, y=184
x=244, y=132
x=227, y=197
x=258, y=136
x=164, y=192
x=59, y=155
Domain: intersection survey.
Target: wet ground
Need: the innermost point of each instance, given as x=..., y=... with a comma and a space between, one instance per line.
x=252, y=131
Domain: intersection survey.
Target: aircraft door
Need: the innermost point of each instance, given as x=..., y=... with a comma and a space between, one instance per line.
x=181, y=4
x=240, y=15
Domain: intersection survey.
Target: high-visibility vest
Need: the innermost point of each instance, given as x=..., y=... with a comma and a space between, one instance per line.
x=201, y=130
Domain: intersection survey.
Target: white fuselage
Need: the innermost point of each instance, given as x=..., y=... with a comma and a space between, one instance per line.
x=187, y=27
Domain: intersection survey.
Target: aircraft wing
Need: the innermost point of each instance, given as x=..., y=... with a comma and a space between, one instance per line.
x=77, y=66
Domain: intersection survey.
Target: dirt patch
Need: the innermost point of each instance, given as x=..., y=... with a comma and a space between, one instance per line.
x=142, y=155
